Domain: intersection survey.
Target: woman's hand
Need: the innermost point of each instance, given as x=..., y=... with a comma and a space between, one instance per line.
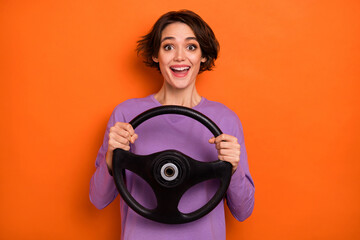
x=228, y=149
x=120, y=136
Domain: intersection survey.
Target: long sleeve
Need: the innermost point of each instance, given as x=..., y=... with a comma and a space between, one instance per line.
x=102, y=187
x=240, y=194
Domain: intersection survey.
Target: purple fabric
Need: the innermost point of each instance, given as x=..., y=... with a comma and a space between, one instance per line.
x=190, y=137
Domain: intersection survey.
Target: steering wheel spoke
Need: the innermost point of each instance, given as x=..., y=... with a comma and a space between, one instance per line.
x=125, y=160
x=202, y=171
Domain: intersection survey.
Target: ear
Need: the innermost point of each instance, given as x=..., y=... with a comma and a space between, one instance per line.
x=203, y=59
x=155, y=59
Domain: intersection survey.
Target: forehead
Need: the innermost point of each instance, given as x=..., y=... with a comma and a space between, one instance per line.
x=177, y=30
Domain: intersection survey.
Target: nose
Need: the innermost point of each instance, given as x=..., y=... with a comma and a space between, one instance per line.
x=179, y=55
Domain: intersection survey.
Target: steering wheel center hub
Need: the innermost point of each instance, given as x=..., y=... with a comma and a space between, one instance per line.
x=169, y=170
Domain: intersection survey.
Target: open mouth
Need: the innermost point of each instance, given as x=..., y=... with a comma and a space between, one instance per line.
x=180, y=69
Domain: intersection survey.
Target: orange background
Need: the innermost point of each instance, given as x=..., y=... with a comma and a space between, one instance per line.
x=289, y=69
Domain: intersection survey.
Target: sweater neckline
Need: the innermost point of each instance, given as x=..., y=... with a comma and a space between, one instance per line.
x=158, y=104
x=174, y=118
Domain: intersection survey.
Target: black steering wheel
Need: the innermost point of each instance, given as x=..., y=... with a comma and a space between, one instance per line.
x=170, y=173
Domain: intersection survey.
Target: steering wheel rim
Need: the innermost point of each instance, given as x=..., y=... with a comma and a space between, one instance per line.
x=169, y=191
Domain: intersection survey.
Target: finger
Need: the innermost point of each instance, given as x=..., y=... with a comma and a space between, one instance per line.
x=121, y=125
x=133, y=138
x=226, y=138
x=124, y=126
x=113, y=144
x=118, y=138
x=120, y=134
x=229, y=152
x=124, y=147
x=125, y=133
x=227, y=145
x=119, y=129
x=232, y=160
x=130, y=129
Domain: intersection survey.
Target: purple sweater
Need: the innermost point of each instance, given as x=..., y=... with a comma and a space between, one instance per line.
x=191, y=138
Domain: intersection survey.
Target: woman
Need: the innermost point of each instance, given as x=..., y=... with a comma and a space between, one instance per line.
x=181, y=45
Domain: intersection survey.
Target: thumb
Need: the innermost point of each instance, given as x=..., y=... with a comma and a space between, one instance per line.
x=212, y=140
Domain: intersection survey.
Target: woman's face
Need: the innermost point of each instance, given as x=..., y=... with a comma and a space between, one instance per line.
x=179, y=56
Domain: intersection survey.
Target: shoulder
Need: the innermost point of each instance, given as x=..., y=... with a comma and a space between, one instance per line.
x=130, y=108
x=223, y=116
x=217, y=110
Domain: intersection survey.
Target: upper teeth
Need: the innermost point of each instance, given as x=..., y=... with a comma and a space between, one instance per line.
x=180, y=68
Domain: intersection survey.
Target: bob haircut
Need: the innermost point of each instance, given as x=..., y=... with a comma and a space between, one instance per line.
x=148, y=46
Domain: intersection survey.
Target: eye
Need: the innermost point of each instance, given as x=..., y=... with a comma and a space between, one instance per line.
x=168, y=47
x=192, y=47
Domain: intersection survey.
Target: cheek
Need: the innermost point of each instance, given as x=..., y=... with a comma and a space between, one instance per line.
x=163, y=70
x=162, y=63
x=164, y=60
x=196, y=60
x=197, y=57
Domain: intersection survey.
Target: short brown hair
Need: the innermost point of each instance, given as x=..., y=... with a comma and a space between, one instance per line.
x=149, y=45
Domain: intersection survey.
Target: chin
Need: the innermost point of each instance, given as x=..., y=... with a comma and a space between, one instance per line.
x=180, y=84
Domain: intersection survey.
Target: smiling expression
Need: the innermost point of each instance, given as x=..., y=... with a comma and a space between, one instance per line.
x=179, y=56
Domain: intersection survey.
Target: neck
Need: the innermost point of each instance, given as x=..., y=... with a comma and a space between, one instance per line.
x=188, y=97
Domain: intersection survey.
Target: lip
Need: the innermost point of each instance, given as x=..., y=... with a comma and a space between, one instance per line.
x=180, y=71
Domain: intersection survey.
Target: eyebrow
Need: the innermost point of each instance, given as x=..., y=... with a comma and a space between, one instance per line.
x=172, y=38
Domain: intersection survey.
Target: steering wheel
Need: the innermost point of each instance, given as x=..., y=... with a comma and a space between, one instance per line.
x=170, y=173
